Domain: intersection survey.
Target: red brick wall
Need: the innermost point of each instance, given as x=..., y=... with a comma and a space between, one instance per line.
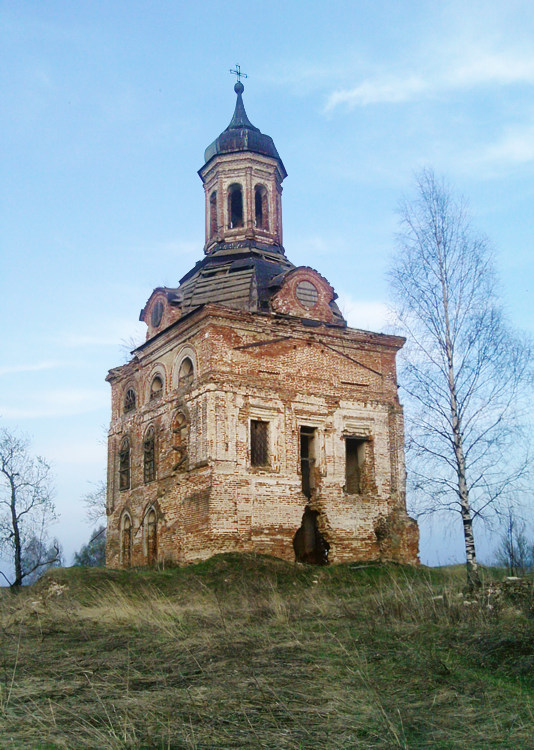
x=340, y=381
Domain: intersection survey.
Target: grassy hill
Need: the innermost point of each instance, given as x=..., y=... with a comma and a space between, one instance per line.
x=252, y=652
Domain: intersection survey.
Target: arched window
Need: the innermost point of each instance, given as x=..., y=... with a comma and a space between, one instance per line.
x=235, y=206
x=156, y=387
x=151, y=537
x=186, y=373
x=179, y=441
x=126, y=541
x=149, y=456
x=261, y=207
x=213, y=213
x=124, y=465
x=129, y=400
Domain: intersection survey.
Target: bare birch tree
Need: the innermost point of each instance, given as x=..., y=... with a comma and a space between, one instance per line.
x=26, y=508
x=95, y=503
x=463, y=370
x=515, y=551
x=37, y=558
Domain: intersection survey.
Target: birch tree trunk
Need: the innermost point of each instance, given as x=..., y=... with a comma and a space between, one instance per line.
x=473, y=579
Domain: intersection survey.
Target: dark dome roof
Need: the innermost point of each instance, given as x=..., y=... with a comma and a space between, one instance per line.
x=242, y=135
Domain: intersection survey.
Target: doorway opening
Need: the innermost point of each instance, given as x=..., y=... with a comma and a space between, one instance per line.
x=309, y=544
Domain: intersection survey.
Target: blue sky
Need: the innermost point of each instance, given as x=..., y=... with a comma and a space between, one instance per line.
x=106, y=109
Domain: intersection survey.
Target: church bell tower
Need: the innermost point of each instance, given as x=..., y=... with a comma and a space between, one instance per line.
x=253, y=419
x=242, y=178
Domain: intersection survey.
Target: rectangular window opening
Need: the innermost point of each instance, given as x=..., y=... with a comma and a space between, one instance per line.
x=354, y=459
x=259, y=443
x=307, y=459
x=124, y=470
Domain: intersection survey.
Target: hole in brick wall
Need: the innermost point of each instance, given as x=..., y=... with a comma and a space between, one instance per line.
x=381, y=530
x=309, y=544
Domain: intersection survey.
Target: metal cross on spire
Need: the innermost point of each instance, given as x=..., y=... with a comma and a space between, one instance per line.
x=237, y=72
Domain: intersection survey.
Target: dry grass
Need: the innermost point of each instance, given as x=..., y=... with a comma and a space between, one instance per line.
x=249, y=652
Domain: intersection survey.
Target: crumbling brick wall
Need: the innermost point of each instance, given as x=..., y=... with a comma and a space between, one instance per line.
x=338, y=381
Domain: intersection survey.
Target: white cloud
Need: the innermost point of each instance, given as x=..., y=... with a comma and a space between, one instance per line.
x=390, y=90
x=515, y=146
x=487, y=68
x=37, y=367
x=64, y=402
x=367, y=315
x=469, y=69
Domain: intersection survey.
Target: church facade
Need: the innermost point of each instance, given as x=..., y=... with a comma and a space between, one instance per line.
x=253, y=418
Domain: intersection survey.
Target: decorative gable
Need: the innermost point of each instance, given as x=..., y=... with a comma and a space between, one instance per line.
x=161, y=310
x=305, y=294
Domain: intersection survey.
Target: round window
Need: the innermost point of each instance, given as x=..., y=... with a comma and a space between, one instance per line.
x=307, y=294
x=157, y=313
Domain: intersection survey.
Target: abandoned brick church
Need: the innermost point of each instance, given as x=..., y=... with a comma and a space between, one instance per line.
x=253, y=418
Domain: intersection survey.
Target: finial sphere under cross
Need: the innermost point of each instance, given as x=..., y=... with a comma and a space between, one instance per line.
x=237, y=72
